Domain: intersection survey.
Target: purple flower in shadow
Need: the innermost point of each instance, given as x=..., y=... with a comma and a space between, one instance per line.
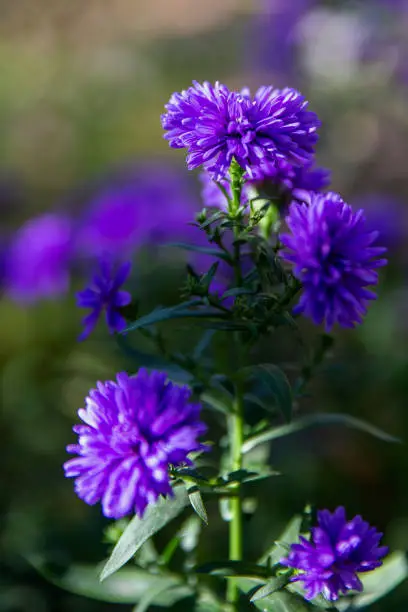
x=337, y=551
x=104, y=295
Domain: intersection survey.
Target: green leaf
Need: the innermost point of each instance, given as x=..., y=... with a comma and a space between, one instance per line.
x=141, y=529
x=197, y=502
x=183, y=310
x=280, y=601
x=243, y=476
x=279, y=548
x=203, y=344
x=233, y=568
x=161, y=586
x=276, y=386
x=379, y=582
x=275, y=584
x=201, y=249
x=218, y=399
x=128, y=586
x=317, y=420
x=237, y=291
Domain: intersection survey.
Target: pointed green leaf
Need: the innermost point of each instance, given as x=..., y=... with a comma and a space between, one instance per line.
x=159, y=587
x=183, y=310
x=313, y=421
x=141, y=529
x=201, y=249
x=279, y=548
x=274, y=584
x=197, y=502
x=276, y=387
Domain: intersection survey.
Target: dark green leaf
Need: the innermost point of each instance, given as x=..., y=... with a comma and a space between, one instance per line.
x=273, y=380
x=201, y=249
x=379, y=582
x=197, y=502
x=161, y=586
x=316, y=420
x=236, y=291
x=279, y=548
x=139, y=530
x=218, y=399
x=203, y=344
x=233, y=568
x=280, y=601
x=183, y=310
x=243, y=476
x=274, y=584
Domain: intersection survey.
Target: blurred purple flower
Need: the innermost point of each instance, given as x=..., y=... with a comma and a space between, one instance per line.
x=38, y=258
x=386, y=215
x=338, y=551
x=150, y=203
x=334, y=257
x=216, y=125
x=104, y=294
x=134, y=429
x=274, y=35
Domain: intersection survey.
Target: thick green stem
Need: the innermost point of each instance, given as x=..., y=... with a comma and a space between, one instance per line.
x=235, y=525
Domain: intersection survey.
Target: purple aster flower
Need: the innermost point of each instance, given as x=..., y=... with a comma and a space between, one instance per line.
x=104, y=294
x=333, y=256
x=134, y=429
x=337, y=552
x=146, y=204
x=216, y=125
x=38, y=258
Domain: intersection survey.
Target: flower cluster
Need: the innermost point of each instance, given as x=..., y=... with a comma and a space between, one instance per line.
x=217, y=125
x=338, y=551
x=134, y=429
x=334, y=257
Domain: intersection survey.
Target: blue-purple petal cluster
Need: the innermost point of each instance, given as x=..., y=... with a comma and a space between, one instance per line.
x=335, y=256
x=337, y=552
x=217, y=125
x=133, y=430
x=104, y=294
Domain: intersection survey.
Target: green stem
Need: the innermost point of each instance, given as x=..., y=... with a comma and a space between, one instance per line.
x=235, y=525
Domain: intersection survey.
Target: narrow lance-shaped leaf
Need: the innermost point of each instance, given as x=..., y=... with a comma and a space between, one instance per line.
x=277, y=391
x=197, y=503
x=141, y=529
x=313, y=421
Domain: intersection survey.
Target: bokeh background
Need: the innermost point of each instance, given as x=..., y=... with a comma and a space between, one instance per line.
x=82, y=89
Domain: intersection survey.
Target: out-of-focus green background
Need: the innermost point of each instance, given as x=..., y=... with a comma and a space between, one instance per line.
x=82, y=88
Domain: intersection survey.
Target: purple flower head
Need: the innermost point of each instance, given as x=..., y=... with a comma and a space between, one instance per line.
x=104, y=294
x=150, y=203
x=38, y=258
x=337, y=552
x=134, y=429
x=216, y=125
x=333, y=256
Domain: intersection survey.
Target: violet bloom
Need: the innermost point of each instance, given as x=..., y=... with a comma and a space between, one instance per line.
x=217, y=125
x=104, y=294
x=134, y=429
x=38, y=258
x=337, y=552
x=145, y=205
x=333, y=256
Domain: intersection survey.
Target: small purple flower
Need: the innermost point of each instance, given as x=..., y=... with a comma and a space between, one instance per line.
x=134, y=429
x=333, y=256
x=337, y=552
x=38, y=258
x=216, y=125
x=104, y=294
